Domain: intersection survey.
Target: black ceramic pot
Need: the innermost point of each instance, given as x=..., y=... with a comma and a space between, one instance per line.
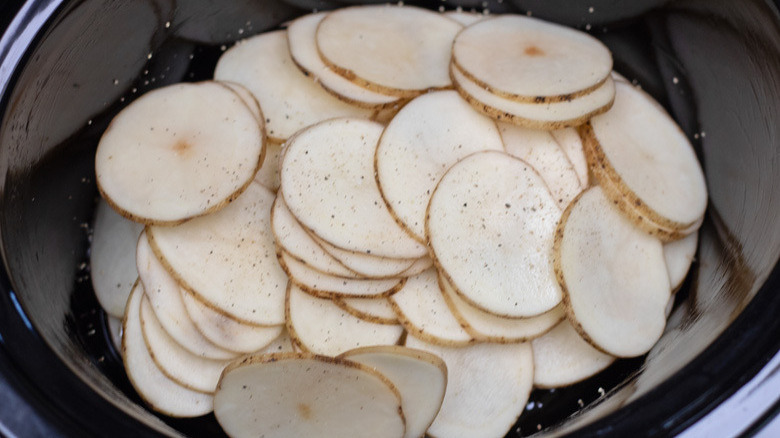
x=66, y=67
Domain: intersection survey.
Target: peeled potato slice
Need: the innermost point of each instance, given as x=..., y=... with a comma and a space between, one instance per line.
x=194, y=372
x=301, y=394
x=320, y=326
x=425, y=138
x=423, y=312
x=679, y=255
x=420, y=377
x=228, y=258
x=301, y=34
x=530, y=60
x=562, y=358
x=165, y=296
x=644, y=153
x=328, y=184
x=290, y=100
x=112, y=258
x=488, y=386
x=378, y=310
x=367, y=265
x=491, y=223
x=195, y=144
x=225, y=331
x=155, y=388
x=569, y=140
x=552, y=115
x=381, y=47
x=614, y=277
x=268, y=175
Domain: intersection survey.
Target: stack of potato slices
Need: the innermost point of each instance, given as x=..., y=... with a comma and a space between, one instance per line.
x=385, y=220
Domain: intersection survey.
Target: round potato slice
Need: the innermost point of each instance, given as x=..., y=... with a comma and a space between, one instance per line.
x=367, y=265
x=491, y=223
x=679, y=255
x=425, y=138
x=196, y=144
x=378, y=310
x=228, y=258
x=112, y=258
x=613, y=275
x=641, y=149
x=320, y=326
x=328, y=184
x=569, y=140
x=268, y=175
x=382, y=48
x=301, y=394
x=248, y=99
x=155, y=388
x=530, y=60
x=420, y=377
x=552, y=115
x=301, y=35
x=562, y=358
x=290, y=101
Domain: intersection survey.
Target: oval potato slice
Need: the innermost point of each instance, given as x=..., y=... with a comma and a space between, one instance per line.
x=613, y=275
x=300, y=394
x=196, y=144
x=679, y=255
x=491, y=224
x=382, y=48
x=367, y=265
x=378, y=310
x=268, y=175
x=569, y=140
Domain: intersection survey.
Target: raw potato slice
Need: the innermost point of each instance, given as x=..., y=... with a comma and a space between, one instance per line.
x=300, y=394
x=296, y=241
x=562, y=358
x=465, y=18
x=487, y=327
x=418, y=267
x=165, y=296
x=491, y=223
x=178, y=152
x=377, y=310
x=112, y=258
x=328, y=184
x=569, y=140
x=367, y=265
x=301, y=34
x=268, y=175
x=194, y=372
x=420, y=377
x=552, y=115
x=237, y=272
x=290, y=100
x=282, y=344
x=382, y=48
x=425, y=138
x=539, y=149
x=248, y=99
x=320, y=326
x=614, y=277
x=530, y=60
x=225, y=331
x=679, y=255
x=329, y=286
x=488, y=386
x=155, y=388
x=423, y=312
x=114, y=325
x=641, y=149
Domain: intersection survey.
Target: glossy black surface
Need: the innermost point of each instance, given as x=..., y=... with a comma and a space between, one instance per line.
x=714, y=64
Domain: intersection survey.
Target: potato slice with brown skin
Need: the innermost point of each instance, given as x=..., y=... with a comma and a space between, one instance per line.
x=490, y=226
x=367, y=265
x=569, y=140
x=300, y=394
x=377, y=310
x=197, y=144
x=613, y=275
x=268, y=175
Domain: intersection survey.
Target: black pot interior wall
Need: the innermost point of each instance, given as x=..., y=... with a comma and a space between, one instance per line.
x=715, y=65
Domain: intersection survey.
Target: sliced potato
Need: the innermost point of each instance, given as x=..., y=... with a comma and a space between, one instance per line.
x=530, y=60
x=679, y=255
x=465, y=18
x=562, y=358
x=155, y=388
x=300, y=394
x=320, y=326
x=248, y=99
x=381, y=47
x=490, y=225
x=328, y=184
x=614, y=277
x=114, y=325
x=418, y=267
x=367, y=265
x=425, y=138
x=268, y=175
x=196, y=144
x=282, y=344
x=112, y=258
x=569, y=140
x=378, y=310
x=228, y=258
x=289, y=100
x=420, y=377
x=488, y=386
